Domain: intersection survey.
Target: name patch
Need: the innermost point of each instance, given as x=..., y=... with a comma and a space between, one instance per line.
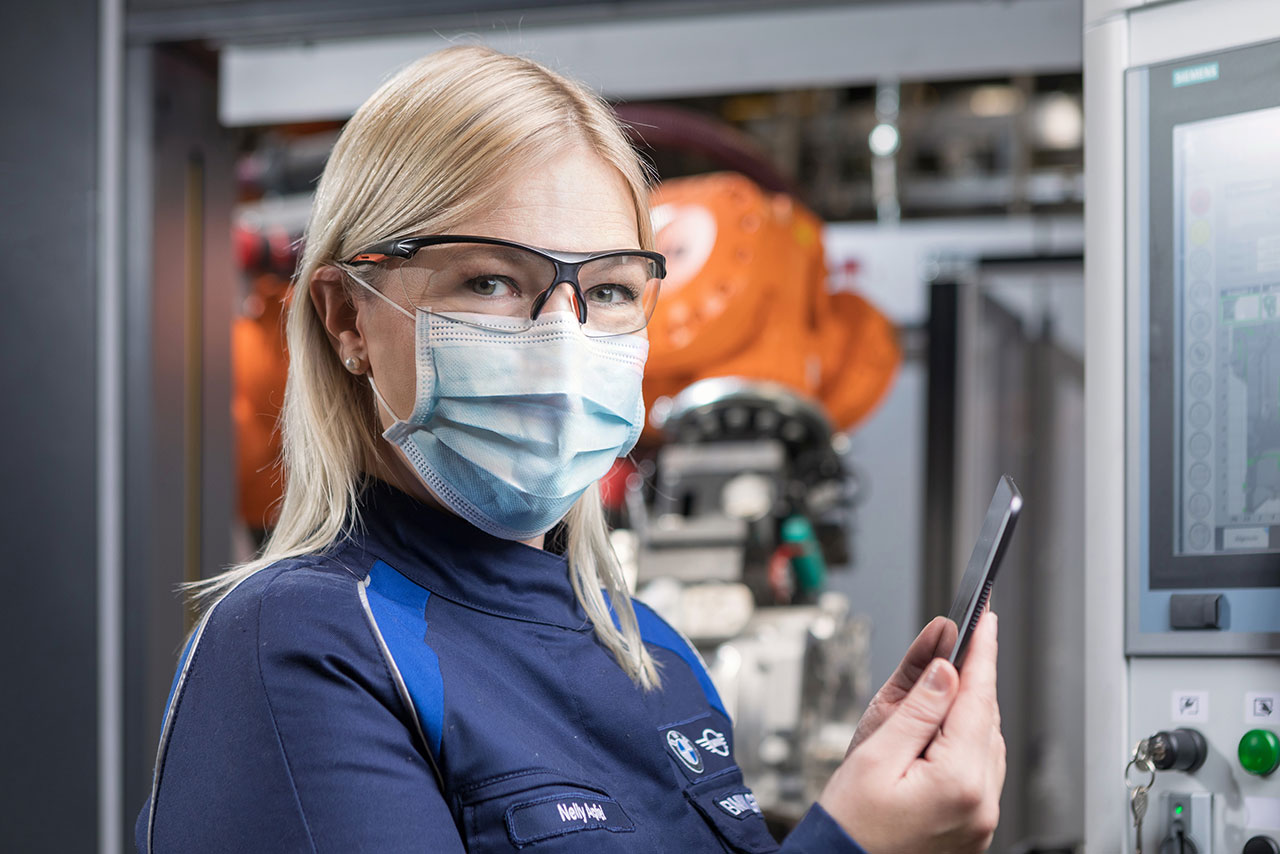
x=568, y=812
x=739, y=805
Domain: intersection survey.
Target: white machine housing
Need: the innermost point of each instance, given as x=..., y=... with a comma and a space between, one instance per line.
x=1140, y=678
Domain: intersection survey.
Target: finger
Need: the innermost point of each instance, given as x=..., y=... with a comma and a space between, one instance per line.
x=950, y=632
x=997, y=766
x=986, y=646
x=935, y=639
x=913, y=724
x=975, y=715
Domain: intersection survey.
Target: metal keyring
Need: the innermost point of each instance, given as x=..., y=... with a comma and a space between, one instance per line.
x=1141, y=764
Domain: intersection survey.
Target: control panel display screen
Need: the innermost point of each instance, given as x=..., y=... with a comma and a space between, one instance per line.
x=1226, y=270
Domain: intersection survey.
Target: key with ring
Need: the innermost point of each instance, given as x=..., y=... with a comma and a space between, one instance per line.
x=1138, y=806
x=1138, y=792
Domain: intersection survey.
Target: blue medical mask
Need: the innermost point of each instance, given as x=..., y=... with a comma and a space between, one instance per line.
x=510, y=428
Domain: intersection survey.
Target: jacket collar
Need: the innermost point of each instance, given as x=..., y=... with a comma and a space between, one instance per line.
x=452, y=558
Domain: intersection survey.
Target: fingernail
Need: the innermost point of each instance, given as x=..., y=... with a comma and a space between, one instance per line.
x=934, y=679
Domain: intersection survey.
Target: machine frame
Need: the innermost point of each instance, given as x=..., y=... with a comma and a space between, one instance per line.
x=1120, y=35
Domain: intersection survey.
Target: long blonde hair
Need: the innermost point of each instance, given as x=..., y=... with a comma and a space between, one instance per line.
x=430, y=148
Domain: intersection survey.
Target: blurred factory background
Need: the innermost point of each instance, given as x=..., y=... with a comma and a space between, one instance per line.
x=874, y=212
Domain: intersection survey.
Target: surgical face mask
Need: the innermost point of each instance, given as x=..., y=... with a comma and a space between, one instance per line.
x=510, y=428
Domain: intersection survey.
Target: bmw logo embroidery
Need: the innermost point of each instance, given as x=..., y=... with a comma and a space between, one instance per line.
x=684, y=750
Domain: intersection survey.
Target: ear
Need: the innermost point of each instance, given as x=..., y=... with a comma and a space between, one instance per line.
x=338, y=314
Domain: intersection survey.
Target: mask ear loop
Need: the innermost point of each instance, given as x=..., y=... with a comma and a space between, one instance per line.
x=373, y=385
x=398, y=429
x=381, y=400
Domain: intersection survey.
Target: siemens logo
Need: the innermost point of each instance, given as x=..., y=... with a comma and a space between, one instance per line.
x=1192, y=74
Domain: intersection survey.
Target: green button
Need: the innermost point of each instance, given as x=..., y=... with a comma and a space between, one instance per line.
x=1259, y=751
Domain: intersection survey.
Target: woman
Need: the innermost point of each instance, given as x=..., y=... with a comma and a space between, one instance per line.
x=407, y=669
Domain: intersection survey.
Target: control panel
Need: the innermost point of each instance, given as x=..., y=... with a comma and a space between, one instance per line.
x=1212, y=733
x=1203, y=453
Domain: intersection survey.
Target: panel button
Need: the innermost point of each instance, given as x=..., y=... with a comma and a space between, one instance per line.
x=1183, y=749
x=1259, y=751
x=1261, y=845
x=1195, y=611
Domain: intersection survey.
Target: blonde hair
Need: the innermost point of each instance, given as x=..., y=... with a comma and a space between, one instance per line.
x=430, y=148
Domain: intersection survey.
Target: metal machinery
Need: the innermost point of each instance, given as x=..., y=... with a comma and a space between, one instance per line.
x=1006, y=395
x=1183, y=428
x=752, y=497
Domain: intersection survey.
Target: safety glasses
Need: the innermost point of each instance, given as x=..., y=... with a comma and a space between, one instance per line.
x=505, y=285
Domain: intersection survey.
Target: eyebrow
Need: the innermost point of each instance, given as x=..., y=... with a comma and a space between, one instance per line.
x=611, y=261
x=492, y=252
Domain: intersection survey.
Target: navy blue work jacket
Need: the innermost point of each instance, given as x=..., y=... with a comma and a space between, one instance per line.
x=423, y=686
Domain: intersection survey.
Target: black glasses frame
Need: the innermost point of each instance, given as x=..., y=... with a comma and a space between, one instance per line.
x=567, y=264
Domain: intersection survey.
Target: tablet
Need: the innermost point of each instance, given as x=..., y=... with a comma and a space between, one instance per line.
x=980, y=575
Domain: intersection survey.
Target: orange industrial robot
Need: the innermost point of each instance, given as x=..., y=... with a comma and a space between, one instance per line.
x=746, y=295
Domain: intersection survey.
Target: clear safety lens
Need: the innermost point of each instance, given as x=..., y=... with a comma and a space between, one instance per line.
x=504, y=281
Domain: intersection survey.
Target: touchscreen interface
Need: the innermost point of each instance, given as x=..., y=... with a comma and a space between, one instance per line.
x=1227, y=327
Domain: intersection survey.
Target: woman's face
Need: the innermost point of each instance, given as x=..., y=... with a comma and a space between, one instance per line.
x=575, y=203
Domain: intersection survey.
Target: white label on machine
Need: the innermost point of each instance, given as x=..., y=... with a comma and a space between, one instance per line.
x=1262, y=813
x=1191, y=706
x=1246, y=538
x=1262, y=707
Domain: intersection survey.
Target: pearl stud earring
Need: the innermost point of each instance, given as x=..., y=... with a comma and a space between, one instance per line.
x=352, y=364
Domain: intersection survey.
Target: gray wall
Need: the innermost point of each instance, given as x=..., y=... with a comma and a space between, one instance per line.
x=48, y=437
x=179, y=292
x=888, y=453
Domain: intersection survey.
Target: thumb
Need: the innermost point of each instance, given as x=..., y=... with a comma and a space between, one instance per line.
x=905, y=735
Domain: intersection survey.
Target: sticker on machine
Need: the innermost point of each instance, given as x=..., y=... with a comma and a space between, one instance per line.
x=1262, y=813
x=1191, y=706
x=1262, y=707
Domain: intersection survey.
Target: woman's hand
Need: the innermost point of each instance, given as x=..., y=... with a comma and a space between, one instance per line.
x=892, y=799
x=934, y=640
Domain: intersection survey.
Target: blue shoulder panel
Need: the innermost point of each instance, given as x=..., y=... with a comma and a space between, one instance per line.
x=399, y=610
x=655, y=630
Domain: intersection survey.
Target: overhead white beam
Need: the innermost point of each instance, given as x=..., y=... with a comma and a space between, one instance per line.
x=677, y=56
x=1164, y=33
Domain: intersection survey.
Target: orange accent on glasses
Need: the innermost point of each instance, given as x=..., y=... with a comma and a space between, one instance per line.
x=371, y=257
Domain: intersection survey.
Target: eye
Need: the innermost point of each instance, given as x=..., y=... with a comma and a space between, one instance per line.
x=615, y=294
x=492, y=286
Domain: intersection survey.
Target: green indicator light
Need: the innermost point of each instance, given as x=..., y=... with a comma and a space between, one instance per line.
x=1177, y=810
x=1259, y=751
